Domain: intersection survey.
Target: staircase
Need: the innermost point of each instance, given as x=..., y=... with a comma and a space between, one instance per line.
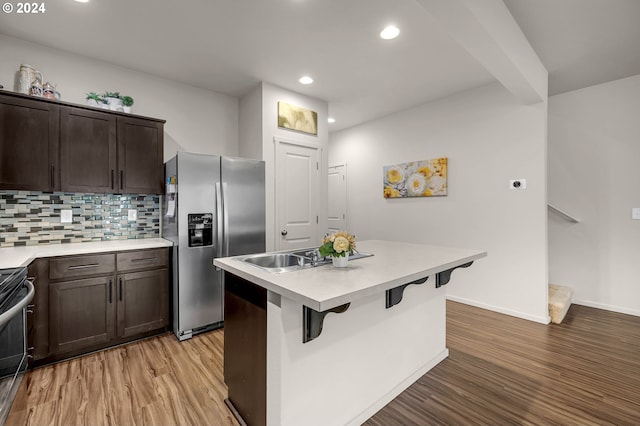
x=559, y=302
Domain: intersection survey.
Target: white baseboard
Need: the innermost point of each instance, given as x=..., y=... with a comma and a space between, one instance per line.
x=389, y=396
x=612, y=308
x=535, y=318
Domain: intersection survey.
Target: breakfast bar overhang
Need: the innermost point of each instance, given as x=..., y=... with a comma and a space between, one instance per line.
x=331, y=346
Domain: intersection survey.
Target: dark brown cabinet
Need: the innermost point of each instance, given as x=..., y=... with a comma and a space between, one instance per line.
x=38, y=311
x=143, y=291
x=81, y=314
x=89, y=302
x=140, y=156
x=28, y=144
x=82, y=305
x=88, y=158
x=55, y=146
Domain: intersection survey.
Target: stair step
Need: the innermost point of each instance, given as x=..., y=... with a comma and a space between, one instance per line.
x=559, y=302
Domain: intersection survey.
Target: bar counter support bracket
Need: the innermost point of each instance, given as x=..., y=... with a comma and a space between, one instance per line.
x=393, y=296
x=444, y=277
x=312, y=320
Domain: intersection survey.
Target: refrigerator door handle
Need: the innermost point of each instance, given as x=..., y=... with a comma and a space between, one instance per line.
x=219, y=219
x=225, y=214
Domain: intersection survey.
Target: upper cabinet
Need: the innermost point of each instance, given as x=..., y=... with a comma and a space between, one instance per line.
x=77, y=149
x=29, y=131
x=140, y=156
x=87, y=150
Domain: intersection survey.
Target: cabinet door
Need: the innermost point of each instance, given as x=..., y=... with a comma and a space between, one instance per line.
x=81, y=313
x=28, y=144
x=87, y=150
x=140, y=156
x=143, y=302
x=38, y=312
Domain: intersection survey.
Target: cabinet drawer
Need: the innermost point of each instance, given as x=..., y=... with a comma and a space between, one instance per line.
x=142, y=259
x=81, y=266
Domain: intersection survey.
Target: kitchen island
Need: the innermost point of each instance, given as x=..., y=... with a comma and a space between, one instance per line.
x=331, y=346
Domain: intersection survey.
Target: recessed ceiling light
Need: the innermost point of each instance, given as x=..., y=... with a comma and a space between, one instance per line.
x=331, y=120
x=389, y=33
x=82, y=1
x=305, y=80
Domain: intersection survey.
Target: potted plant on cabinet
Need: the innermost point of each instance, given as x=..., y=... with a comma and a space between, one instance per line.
x=94, y=100
x=127, y=102
x=113, y=100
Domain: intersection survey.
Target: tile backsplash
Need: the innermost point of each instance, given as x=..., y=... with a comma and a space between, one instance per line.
x=32, y=218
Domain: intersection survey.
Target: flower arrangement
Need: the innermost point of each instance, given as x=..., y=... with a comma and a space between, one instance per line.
x=337, y=244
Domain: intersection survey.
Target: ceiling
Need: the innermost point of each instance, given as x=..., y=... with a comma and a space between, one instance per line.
x=229, y=46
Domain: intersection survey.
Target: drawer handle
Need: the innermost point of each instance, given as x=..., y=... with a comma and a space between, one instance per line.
x=144, y=259
x=90, y=265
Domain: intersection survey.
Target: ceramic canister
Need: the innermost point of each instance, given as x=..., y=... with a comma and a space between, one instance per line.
x=26, y=77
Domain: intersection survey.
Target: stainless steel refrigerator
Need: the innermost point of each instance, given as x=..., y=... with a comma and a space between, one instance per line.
x=214, y=207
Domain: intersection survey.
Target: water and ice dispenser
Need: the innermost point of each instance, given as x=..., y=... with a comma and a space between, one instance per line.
x=200, y=227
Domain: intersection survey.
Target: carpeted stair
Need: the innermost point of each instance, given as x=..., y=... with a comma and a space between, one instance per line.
x=559, y=302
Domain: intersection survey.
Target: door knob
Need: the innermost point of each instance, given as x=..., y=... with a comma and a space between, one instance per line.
x=284, y=233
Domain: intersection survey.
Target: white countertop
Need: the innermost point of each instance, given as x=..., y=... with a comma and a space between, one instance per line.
x=325, y=287
x=14, y=257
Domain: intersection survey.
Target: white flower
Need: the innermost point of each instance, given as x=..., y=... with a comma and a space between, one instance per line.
x=395, y=174
x=416, y=184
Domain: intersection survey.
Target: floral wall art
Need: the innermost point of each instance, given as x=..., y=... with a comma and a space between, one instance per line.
x=297, y=118
x=426, y=178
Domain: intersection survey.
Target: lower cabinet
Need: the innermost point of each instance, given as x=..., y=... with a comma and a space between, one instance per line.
x=143, y=302
x=81, y=313
x=93, y=304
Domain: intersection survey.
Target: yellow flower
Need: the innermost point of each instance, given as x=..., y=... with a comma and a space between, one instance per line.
x=426, y=171
x=340, y=244
x=391, y=192
x=428, y=193
x=395, y=174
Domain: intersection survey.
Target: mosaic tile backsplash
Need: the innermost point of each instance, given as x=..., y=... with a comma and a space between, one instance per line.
x=32, y=218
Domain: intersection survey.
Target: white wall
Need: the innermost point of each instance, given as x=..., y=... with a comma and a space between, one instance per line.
x=268, y=96
x=489, y=138
x=594, y=151
x=198, y=120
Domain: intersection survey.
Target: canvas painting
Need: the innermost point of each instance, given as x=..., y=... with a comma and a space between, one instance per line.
x=297, y=118
x=426, y=178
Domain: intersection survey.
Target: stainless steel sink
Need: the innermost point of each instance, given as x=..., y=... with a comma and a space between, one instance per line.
x=291, y=261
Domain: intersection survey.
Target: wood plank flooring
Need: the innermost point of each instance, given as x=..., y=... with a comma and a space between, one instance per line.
x=157, y=381
x=504, y=371
x=501, y=370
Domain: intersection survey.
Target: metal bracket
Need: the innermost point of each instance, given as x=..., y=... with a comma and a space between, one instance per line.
x=312, y=320
x=393, y=296
x=444, y=277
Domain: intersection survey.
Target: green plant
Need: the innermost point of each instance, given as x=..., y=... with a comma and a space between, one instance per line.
x=127, y=100
x=95, y=97
x=111, y=95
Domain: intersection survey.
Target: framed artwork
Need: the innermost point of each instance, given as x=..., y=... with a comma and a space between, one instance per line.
x=296, y=118
x=426, y=178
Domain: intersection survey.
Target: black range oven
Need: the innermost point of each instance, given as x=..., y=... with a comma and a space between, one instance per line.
x=16, y=291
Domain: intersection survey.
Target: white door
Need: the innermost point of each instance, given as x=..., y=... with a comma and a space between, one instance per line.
x=337, y=205
x=297, y=195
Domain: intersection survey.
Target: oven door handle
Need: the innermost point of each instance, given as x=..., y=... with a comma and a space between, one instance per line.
x=17, y=308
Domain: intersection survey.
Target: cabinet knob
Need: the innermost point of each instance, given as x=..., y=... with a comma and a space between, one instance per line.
x=284, y=233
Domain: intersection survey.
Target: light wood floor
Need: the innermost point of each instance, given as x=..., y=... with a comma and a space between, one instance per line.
x=158, y=381
x=501, y=370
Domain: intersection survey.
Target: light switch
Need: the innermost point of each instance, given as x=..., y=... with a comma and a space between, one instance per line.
x=66, y=216
x=133, y=214
x=635, y=213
